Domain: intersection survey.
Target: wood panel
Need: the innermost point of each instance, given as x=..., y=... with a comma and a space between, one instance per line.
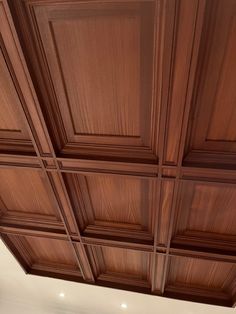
x=158, y=276
x=46, y=254
x=206, y=212
x=10, y=121
x=13, y=129
x=183, y=48
x=113, y=264
x=19, y=161
x=111, y=57
x=212, y=132
x=115, y=206
x=196, y=272
x=164, y=218
x=21, y=116
x=212, y=277
x=86, y=166
x=26, y=199
x=205, y=221
x=117, y=143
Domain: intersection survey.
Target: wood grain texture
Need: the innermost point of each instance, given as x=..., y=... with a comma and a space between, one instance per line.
x=52, y=251
x=117, y=199
x=11, y=117
x=207, y=208
x=18, y=90
x=158, y=274
x=200, y=280
x=99, y=45
x=25, y=190
x=212, y=125
x=115, y=206
x=107, y=107
x=182, y=54
x=167, y=189
x=117, y=143
x=25, y=199
x=124, y=261
x=116, y=263
x=201, y=273
x=13, y=129
x=47, y=254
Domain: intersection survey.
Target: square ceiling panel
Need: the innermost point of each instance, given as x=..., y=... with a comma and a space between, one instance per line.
x=45, y=255
x=114, y=206
x=100, y=80
x=26, y=199
x=201, y=277
x=122, y=266
x=206, y=215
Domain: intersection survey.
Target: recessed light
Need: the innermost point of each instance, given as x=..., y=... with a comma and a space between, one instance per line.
x=123, y=306
x=62, y=295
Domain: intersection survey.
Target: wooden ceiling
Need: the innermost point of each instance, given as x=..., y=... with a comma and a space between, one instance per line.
x=118, y=143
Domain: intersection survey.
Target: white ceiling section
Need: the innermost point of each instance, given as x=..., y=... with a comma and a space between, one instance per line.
x=24, y=294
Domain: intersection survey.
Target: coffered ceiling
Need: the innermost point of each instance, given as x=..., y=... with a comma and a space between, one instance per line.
x=41, y=295
x=118, y=143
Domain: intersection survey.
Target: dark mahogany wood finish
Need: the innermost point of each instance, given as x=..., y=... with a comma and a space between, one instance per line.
x=118, y=143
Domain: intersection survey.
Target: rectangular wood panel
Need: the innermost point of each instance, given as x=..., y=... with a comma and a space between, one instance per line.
x=212, y=128
x=112, y=264
x=206, y=216
x=26, y=198
x=100, y=44
x=158, y=275
x=13, y=129
x=116, y=206
x=212, y=278
x=106, y=107
x=207, y=208
x=165, y=208
x=46, y=254
x=12, y=121
x=21, y=117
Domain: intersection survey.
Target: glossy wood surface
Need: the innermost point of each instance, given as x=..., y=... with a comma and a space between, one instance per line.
x=213, y=127
x=117, y=143
x=12, y=123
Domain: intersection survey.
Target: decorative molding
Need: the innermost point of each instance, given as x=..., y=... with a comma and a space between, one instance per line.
x=167, y=174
